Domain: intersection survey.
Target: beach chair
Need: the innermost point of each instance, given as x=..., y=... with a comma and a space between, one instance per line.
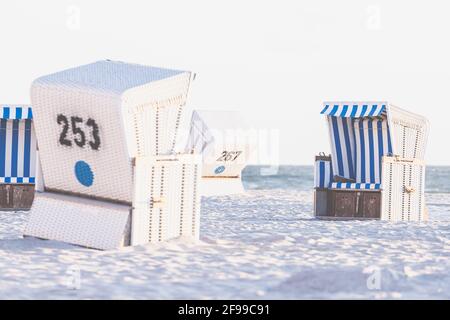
x=222, y=139
x=18, y=157
x=376, y=169
x=106, y=135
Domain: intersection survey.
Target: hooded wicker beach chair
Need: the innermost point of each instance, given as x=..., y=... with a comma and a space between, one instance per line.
x=376, y=168
x=17, y=157
x=106, y=135
x=221, y=138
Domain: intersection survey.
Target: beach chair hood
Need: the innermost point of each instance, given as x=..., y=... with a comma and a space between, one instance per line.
x=221, y=137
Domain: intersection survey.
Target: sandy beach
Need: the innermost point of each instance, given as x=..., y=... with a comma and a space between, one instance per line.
x=264, y=244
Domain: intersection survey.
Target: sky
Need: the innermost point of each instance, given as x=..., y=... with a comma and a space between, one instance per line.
x=274, y=61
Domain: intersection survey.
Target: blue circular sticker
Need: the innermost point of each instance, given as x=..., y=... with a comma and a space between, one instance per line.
x=84, y=174
x=219, y=170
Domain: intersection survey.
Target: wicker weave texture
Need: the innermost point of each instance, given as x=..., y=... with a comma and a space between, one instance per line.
x=403, y=190
x=153, y=113
x=111, y=77
x=123, y=110
x=410, y=133
x=86, y=223
x=110, y=165
x=166, y=200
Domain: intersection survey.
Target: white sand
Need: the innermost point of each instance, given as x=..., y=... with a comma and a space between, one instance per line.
x=262, y=245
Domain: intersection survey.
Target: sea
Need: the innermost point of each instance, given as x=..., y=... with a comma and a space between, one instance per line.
x=437, y=178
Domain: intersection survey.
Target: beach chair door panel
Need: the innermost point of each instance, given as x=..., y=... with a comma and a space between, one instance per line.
x=403, y=190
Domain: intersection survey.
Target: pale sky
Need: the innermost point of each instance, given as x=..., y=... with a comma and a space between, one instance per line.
x=275, y=61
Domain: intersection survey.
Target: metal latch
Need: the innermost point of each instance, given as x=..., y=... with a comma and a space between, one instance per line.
x=409, y=189
x=158, y=202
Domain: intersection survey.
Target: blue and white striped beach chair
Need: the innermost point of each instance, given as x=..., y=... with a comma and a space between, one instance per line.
x=377, y=153
x=17, y=157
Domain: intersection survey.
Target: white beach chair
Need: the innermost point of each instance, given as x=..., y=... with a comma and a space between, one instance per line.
x=222, y=139
x=17, y=157
x=376, y=168
x=106, y=135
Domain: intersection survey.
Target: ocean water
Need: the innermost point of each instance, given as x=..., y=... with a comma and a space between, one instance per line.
x=302, y=178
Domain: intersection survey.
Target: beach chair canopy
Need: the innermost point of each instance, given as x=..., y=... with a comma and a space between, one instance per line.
x=213, y=126
x=17, y=145
x=352, y=110
x=222, y=138
x=92, y=120
x=360, y=137
x=362, y=133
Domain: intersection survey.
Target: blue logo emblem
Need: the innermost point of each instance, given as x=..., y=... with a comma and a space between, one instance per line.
x=219, y=170
x=84, y=174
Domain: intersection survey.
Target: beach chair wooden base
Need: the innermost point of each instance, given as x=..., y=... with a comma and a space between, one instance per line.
x=329, y=218
x=355, y=204
x=16, y=197
x=321, y=203
x=345, y=205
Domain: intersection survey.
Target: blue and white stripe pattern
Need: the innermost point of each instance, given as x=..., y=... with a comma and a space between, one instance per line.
x=354, y=110
x=372, y=143
x=356, y=186
x=17, y=146
x=17, y=180
x=16, y=112
x=359, y=140
x=342, y=146
x=323, y=174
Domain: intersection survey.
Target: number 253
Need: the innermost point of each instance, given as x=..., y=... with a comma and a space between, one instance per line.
x=79, y=136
